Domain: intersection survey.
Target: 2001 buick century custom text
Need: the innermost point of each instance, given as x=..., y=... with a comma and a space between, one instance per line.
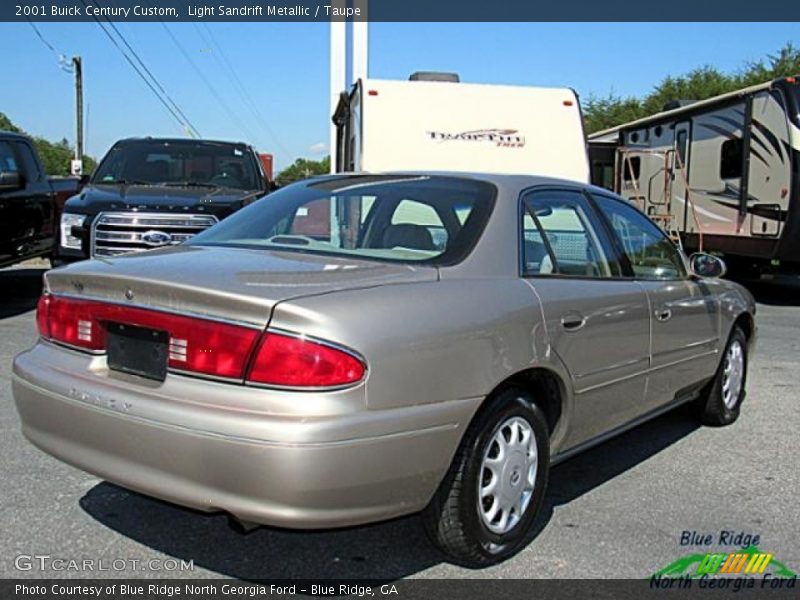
x=358, y=347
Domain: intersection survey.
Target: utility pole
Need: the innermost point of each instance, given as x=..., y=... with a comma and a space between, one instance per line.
x=77, y=164
x=348, y=45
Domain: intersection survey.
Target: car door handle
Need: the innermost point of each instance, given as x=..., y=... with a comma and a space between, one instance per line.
x=664, y=314
x=573, y=321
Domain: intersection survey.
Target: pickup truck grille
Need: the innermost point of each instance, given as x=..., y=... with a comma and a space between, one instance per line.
x=118, y=233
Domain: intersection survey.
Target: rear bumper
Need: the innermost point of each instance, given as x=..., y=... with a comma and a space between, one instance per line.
x=286, y=470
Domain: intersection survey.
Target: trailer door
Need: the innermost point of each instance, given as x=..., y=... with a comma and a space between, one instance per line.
x=769, y=172
x=680, y=176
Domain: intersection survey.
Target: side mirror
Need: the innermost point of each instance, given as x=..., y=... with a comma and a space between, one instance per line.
x=706, y=265
x=10, y=181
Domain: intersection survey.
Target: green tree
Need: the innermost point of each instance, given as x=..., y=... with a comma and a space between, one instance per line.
x=56, y=156
x=698, y=84
x=302, y=169
x=7, y=125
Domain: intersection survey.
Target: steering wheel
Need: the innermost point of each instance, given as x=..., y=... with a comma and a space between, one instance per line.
x=223, y=179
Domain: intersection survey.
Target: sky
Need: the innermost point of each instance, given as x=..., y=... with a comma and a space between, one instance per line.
x=267, y=83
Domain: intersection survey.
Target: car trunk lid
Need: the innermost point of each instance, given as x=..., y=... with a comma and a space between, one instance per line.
x=235, y=284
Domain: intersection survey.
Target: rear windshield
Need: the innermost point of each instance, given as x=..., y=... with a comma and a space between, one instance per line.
x=402, y=219
x=179, y=163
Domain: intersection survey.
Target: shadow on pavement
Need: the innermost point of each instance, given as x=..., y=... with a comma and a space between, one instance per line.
x=19, y=290
x=385, y=551
x=774, y=294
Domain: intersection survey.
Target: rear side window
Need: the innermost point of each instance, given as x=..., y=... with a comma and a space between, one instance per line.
x=8, y=161
x=562, y=236
x=651, y=254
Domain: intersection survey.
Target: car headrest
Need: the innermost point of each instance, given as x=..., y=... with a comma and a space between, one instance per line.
x=408, y=235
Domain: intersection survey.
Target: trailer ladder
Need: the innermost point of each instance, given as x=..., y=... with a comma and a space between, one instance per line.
x=666, y=218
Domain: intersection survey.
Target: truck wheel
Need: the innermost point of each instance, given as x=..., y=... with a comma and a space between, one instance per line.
x=721, y=405
x=484, y=508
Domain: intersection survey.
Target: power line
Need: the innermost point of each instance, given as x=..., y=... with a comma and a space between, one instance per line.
x=139, y=72
x=41, y=37
x=153, y=78
x=63, y=62
x=224, y=105
x=247, y=99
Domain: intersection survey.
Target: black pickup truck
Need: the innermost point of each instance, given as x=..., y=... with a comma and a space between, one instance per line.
x=152, y=192
x=30, y=201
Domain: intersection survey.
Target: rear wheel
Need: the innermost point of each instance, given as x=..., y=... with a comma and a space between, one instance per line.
x=484, y=508
x=722, y=404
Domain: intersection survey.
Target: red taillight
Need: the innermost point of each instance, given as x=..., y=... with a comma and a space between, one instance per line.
x=70, y=321
x=204, y=346
x=299, y=362
x=195, y=344
x=42, y=318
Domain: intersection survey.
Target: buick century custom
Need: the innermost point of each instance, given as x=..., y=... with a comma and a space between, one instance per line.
x=361, y=347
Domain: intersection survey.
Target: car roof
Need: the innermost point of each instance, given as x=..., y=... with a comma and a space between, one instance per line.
x=501, y=180
x=176, y=140
x=12, y=134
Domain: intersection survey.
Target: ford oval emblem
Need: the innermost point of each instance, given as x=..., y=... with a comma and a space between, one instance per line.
x=156, y=238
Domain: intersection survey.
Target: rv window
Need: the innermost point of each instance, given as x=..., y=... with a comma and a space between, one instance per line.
x=730, y=164
x=681, y=143
x=631, y=168
x=603, y=174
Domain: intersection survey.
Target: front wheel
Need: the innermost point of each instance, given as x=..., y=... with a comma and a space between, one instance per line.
x=484, y=508
x=721, y=405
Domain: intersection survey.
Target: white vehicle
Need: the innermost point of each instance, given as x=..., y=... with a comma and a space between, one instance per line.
x=721, y=175
x=433, y=122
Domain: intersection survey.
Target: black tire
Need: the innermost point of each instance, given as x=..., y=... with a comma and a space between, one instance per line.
x=453, y=520
x=711, y=408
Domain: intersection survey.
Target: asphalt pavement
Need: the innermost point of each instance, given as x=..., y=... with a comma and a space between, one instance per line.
x=617, y=511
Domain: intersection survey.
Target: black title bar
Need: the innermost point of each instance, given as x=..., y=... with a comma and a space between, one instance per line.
x=401, y=10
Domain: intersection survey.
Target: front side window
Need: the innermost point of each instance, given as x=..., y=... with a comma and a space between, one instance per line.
x=561, y=236
x=416, y=219
x=651, y=254
x=32, y=172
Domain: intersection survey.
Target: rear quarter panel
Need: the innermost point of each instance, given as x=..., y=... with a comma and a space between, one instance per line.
x=429, y=342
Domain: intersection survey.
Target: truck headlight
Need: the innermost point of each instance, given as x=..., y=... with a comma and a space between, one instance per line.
x=67, y=222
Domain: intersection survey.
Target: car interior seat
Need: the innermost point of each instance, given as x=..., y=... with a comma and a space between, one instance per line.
x=408, y=235
x=158, y=170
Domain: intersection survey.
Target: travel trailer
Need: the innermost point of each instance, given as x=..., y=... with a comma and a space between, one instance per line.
x=435, y=123
x=721, y=175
